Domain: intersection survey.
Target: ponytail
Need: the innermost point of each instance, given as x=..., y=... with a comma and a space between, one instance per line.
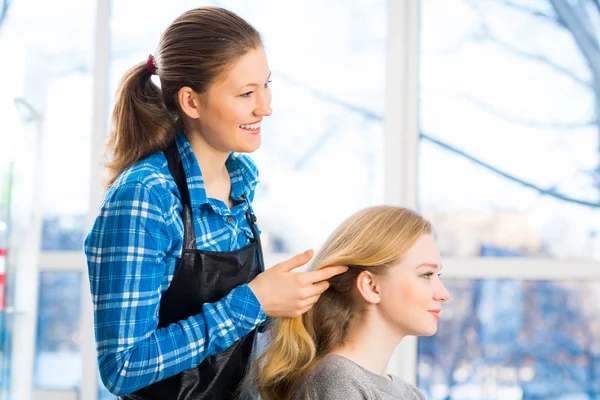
x=192, y=52
x=297, y=346
x=141, y=124
x=291, y=352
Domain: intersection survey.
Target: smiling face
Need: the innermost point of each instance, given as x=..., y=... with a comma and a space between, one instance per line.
x=229, y=114
x=411, y=293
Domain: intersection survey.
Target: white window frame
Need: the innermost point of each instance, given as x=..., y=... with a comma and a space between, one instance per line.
x=401, y=145
x=74, y=261
x=402, y=151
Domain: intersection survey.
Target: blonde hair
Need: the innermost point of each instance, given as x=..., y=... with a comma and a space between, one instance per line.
x=371, y=239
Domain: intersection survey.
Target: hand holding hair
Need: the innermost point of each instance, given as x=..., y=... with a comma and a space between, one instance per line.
x=283, y=293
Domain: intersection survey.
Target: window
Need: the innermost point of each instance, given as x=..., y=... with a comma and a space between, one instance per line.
x=509, y=174
x=322, y=152
x=58, y=356
x=46, y=104
x=509, y=160
x=514, y=339
x=51, y=87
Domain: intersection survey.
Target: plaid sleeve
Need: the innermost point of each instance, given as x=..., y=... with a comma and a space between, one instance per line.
x=126, y=261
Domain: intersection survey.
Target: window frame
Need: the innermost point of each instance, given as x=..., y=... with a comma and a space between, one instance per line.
x=401, y=150
x=402, y=138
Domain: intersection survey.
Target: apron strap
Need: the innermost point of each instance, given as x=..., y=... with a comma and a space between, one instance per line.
x=176, y=168
x=251, y=220
x=189, y=235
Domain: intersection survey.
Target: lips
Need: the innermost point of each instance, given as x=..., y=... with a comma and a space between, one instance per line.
x=252, y=128
x=435, y=313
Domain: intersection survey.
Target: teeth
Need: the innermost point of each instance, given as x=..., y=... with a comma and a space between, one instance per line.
x=251, y=127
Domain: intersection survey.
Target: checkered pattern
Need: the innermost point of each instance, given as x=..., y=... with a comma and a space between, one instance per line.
x=133, y=249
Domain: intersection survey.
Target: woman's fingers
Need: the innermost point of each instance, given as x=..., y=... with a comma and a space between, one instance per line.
x=325, y=273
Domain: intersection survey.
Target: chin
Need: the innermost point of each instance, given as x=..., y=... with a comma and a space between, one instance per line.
x=250, y=147
x=430, y=331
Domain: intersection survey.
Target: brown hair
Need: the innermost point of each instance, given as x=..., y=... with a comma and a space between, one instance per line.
x=194, y=51
x=370, y=240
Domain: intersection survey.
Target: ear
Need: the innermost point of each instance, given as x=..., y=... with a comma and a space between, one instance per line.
x=367, y=286
x=190, y=103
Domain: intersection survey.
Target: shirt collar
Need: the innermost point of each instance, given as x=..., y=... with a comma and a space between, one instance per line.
x=243, y=177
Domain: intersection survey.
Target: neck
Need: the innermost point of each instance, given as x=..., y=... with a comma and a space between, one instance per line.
x=210, y=160
x=370, y=343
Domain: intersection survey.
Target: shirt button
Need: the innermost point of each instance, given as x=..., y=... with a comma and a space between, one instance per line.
x=229, y=219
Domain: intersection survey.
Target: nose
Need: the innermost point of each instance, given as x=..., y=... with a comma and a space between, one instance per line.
x=442, y=294
x=263, y=105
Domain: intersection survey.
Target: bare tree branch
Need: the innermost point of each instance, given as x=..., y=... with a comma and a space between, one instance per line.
x=597, y=4
x=524, y=121
x=540, y=58
x=331, y=99
x=4, y=5
x=580, y=24
x=580, y=12
x=548, y=192
x=585, y=42
x=313, y=149
x=531, y=11
x=374, y=116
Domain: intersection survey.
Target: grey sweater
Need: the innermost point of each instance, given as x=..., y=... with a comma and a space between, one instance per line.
x=337, y=377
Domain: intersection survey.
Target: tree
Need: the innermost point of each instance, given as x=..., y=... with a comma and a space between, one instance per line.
x=579, y=20
x=3, y=10
x=546, y=344
x=535, y=336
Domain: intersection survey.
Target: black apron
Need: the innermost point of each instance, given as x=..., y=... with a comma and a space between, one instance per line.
x=204, y=277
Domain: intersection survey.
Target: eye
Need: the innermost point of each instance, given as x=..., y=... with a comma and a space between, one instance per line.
x=267, y=84
x=246, y=95
x=427, y=275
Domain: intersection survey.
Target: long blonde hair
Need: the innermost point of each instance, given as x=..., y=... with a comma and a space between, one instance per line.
x=371, y=239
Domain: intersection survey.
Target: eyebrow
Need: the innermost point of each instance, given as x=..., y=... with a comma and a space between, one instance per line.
x=256, y=84
x=439, y=267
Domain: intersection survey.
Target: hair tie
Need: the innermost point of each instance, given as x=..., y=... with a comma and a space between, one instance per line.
x=150, y=64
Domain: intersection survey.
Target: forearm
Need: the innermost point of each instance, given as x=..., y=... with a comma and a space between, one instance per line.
x=129, y=364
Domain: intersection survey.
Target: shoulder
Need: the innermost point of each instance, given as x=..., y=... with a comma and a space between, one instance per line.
x=407, y=390
x=335, y=377
x=148, y=178
x=141, y=201
x=337, y=365
x=152, y=172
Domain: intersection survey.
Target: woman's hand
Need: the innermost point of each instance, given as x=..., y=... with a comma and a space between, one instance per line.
x=283, y=293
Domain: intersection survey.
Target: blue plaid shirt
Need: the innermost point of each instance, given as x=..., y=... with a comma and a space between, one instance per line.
x=132, y=251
